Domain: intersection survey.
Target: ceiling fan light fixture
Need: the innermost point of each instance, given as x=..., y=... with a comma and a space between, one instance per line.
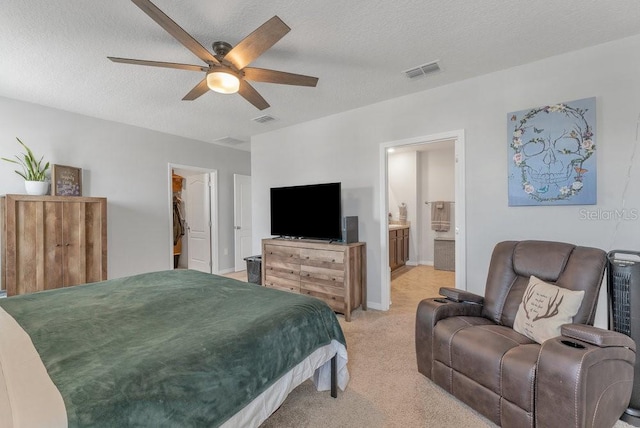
x=226, y=70
x=223, y=81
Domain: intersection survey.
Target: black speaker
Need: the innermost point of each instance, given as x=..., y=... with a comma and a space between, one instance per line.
x=350, y=229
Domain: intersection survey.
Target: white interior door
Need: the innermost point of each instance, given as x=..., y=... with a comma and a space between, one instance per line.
x=242, y=219
x=198, y=216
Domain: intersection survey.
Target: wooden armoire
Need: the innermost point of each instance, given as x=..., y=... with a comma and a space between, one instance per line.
x=52, y=242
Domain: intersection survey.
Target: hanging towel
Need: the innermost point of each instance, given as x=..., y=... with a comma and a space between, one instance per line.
x=440, y=216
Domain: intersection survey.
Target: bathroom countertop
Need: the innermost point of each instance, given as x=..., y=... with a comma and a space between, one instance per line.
x=398, y=226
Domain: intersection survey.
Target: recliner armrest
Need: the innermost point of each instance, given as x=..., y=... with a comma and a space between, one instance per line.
x=429, y=312
x=586, y=366
x=458, y=295
x=597, y=336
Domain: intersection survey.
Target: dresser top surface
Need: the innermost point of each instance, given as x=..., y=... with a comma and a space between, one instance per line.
x=310, y=243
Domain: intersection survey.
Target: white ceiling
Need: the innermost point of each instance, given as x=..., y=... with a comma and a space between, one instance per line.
x=54, y=53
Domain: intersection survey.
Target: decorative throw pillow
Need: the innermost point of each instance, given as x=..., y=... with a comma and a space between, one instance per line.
x=544, y=308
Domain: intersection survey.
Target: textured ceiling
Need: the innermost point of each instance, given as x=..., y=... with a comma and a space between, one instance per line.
x=54, y=53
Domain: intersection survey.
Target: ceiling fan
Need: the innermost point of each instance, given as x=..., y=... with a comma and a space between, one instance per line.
x=226, y=69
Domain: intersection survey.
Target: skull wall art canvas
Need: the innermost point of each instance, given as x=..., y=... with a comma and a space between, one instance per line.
x=552, y=154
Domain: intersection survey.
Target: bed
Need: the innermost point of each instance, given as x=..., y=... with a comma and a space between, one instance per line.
x=170, y=348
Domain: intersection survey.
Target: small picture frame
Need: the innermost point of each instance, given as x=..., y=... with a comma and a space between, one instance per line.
x=66, y=180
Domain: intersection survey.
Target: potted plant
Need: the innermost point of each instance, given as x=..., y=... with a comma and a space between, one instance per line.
x=33, y=171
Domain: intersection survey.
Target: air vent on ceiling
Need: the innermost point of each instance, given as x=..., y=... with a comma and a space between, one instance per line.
x=422, y=70
x=229, y=141
x=264, y=119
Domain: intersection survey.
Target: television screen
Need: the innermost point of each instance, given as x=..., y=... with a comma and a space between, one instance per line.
x=311, y=211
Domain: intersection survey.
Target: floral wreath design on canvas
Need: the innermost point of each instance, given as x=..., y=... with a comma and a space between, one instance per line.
x=552, y=166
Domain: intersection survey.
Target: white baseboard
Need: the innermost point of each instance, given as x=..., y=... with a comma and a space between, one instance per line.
x=375, y=306
x=226, y=271
x=426, y=262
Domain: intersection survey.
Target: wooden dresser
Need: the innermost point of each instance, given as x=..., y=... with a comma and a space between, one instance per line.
x=333, y=272
x=52, y=242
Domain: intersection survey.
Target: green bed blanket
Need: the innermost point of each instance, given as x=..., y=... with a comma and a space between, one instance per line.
x=168, y=349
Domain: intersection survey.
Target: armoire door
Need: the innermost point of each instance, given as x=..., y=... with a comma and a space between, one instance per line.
x=82, y=242
x=93, y=236
x=61, y=260
x=73, y=243
x=26, y=239
x=52, y=242
x=52, y=266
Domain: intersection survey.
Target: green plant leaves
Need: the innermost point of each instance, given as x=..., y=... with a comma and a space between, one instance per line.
x=32, y=169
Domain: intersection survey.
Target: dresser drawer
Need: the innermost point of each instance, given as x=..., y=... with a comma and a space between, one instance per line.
x=321, y=275
x=282, y=253
x=282, y=283
x=333, y=296
x=322, y=258
x=281, y=269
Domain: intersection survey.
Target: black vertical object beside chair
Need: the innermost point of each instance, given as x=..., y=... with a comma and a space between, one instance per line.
x=623, y=280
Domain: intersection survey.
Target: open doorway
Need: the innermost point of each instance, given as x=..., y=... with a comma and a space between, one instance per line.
x=416, y=199
x=194, y=218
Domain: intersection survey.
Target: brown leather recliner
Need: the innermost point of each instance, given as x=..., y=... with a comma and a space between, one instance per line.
x=466, y=344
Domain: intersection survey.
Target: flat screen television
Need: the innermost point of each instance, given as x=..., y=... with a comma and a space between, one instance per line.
x=311, y=211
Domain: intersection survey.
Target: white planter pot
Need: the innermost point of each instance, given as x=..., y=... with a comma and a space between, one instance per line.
x=37, y=187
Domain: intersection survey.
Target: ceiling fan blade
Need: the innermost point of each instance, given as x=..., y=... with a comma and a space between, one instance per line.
x=274, y=76
x=175, y=30
x=200, y=89
x=251, y=95
x=159, y=64
x=254, y=45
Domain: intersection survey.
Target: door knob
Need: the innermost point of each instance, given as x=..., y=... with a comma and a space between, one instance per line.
x=237, y=227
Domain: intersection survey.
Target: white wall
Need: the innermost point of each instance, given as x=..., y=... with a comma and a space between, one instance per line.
x=127, y=165
x=345, y=147
x=437, y=183
x=403, y=188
